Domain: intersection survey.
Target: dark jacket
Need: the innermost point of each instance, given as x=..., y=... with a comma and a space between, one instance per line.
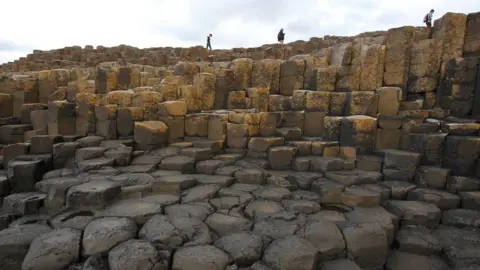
x=281, y=35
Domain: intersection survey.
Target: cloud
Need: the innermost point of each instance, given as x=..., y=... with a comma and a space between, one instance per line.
x=51, y=24
x=7, y=45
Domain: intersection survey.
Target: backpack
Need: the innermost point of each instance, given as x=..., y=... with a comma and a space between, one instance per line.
x=425, y=19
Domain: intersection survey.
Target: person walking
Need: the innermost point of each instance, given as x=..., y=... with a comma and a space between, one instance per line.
x=428, y=19
x=209, y=45
x=281, y=36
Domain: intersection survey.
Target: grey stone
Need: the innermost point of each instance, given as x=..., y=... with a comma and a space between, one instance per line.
x=139, y=254
x=201, y=193
x=340, y=264
x=228, y=170
x=329, y=215
x=23, y=203
x=366, y=244
x=182, y=164
x=242, y=196
x=418, y=240
x=93, y=164
x=398, y=189
x=326, y=164
x=53, y=250
x=457, y=184
x=250, y=176
x=210, y=166
x=441, y=199
x=354, y=177
x=301, y=206
x=245, y=187
x=470, y=200
x=15, y=243
x=404, y=261
x=244, y=247
x=431, y=177
x=93, y=195
x=219, y=180
x=271, y=193
x=278, y=225
x=199, y=210
x=325, y=236
x=260, y=209
x=377, y=215
x=23, y=175
x=162, y=199
x=30, y=219
x=86, y=153
x=102, y=234
x=291, y=253
x=56, y=189
x=225, y=203
x=175, y=231
x=303, y=180
x=136, y=209
x=330, y=191
x=414, y=212
x=172, y=184
x=306, y=195
x=205, y=257
x=224, y=225
x=74, y=219
x=282, y=181
x=462, y=218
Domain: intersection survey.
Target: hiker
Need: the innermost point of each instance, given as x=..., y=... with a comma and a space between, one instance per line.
x=281, y=36
x=209, y=46
x=428, y=19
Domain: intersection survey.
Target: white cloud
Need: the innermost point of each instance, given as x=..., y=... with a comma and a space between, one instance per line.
x=51, y=24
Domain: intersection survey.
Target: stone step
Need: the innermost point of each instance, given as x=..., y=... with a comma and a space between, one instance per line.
x=289, y=133
x=215, y=146
x=198, y=154
x=461, y=129
x=93, y=164
x=25, y=203
x=181, y=163
x=318, y=164
x=414, y=212
x=462, y=218
x=442, y=199
x=281, y=157
x=399, y=165
x=87, y=153
x=470, y=200
x=310, y=146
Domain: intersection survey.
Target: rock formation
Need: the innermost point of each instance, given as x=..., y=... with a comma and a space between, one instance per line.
x=337, y=153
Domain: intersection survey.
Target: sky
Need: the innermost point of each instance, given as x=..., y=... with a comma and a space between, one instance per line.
x=26, y=25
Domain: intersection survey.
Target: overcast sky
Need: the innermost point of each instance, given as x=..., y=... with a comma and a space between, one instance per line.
x=49, y=24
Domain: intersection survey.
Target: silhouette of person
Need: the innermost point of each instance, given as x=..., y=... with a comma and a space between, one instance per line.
x=428, y=19
x=281, y=36
x=209, y=45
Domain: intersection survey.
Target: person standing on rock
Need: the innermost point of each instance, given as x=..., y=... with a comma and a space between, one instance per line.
x=209, y=45
x=281, y=36
x=428, y=19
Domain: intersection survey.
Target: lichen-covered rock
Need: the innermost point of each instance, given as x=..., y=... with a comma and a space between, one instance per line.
x=151, y=133
x=266, y=74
